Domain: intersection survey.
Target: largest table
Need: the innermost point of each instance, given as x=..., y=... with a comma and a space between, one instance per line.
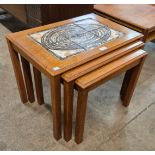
x=56, y=48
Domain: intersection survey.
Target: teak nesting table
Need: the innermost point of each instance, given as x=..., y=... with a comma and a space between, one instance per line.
x=81, y=53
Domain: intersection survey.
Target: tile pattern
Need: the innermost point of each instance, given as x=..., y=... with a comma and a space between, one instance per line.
x=80, y=36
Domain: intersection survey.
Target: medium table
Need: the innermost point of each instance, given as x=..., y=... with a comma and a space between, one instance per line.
x=57, y=48
x=139, y=17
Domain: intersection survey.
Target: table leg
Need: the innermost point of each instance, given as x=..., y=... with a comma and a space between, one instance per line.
x=130, y=82
x=18, y=73
x=146, y=33
x=38, y=85
x=80, y=115
x=28, y=79
x=56, y=106
x=125, y=83
x=68, y=109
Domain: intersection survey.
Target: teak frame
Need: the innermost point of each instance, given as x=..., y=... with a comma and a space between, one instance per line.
x=43, y=62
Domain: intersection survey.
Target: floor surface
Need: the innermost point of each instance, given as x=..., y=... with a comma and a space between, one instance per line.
x=109, y=125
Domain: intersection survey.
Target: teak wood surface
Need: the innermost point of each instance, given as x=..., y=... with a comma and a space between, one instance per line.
x=140, y=17
x=42, y=61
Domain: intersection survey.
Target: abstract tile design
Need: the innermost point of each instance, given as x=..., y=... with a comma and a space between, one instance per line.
x=89, y=24
x=71, y=39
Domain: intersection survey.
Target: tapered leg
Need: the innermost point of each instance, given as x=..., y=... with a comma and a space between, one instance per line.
x=68, y=109
x=130, y=82
x=80, y=115
x=18, y=73
x=38, y=85
x=56, y=106
x=28, y=79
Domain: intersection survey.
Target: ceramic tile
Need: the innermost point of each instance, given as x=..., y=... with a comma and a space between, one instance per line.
x=89, y=24
x=70, y=39
x=88, y=40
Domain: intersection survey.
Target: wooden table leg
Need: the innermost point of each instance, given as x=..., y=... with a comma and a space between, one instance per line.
x=38, y=85
x=125, y=84
x=146, y=33
x=28, y=79
x=18, y=73
x=56, y=106
x=130, y=82
x=80, y=115
x=68, y=109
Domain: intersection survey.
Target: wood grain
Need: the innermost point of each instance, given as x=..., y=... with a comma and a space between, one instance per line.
x=68, y=109
x=140, y=15
x=80, y=115
x=136, y=16
x=56, y=106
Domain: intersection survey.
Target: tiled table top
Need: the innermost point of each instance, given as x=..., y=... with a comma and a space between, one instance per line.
x=73, y=38
x=61, y=46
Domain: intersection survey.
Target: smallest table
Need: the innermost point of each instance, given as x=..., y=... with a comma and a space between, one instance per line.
x=132, y=63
